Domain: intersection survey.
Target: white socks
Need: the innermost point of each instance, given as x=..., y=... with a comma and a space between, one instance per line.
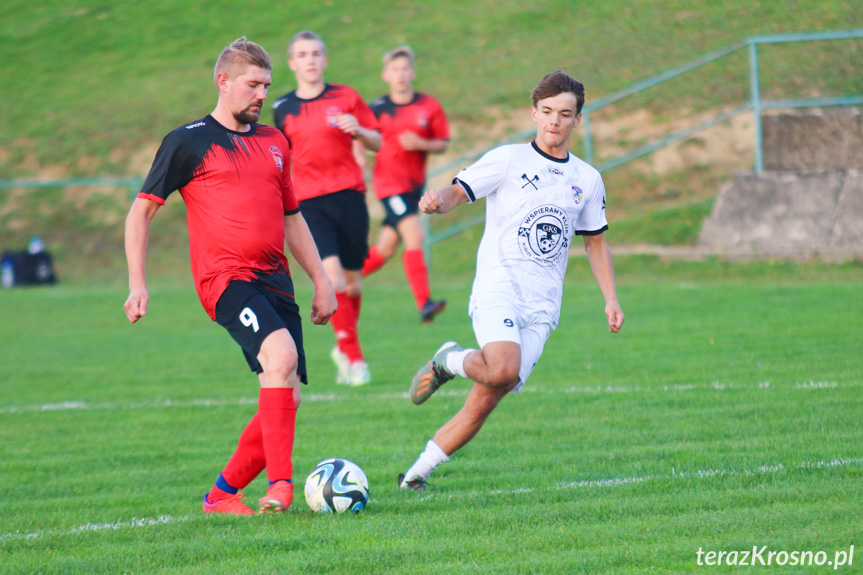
x=427, y=461
x=455, y=361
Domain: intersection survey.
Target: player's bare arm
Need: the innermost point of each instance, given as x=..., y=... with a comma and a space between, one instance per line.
x=413, y=142
x=370, y=139
x=602, y=265
x=137, y=237
x=443, y=200
x=359, y=152
x=302, y=247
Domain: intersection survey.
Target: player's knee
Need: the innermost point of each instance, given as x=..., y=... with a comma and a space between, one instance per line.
x=281, y=366
x=338, y=285
x=386, y=251
x=502, y=376
x=415, y=241
x=354, y=285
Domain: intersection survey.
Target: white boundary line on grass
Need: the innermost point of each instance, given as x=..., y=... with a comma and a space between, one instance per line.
x=73, y=405
x=136, y=523
x=96, y=527
x=697, y=474
x=715, y=386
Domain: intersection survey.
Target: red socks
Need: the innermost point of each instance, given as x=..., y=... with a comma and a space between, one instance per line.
x=277, y=414
x=417, y=273
x=345, y=325
x=374, y=261
x=357, y=302
x=267, y=441
x=248, y=460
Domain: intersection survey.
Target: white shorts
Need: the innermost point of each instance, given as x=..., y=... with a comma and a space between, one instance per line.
x=498, y=319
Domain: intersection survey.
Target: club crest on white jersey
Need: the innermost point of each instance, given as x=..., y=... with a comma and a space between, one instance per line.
x=543, y=235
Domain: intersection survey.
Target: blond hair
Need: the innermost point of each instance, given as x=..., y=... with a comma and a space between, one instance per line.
x=305, y=35
x=403, y=51
x=240, y=54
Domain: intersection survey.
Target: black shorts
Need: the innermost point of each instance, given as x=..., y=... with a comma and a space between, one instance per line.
x=250, y=312
x=400, y=206
x=339, y=223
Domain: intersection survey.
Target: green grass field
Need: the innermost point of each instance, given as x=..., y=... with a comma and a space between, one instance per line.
x=725, y=415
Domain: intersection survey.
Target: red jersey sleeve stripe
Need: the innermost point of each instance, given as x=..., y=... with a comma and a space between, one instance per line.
x=157, y=199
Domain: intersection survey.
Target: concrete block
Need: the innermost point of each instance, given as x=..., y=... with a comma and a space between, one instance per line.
x=846, y=232
x=777, y=214
x=813, y=141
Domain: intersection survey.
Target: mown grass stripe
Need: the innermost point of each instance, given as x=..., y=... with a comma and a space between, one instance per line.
x=75, y=405
x=766, y=469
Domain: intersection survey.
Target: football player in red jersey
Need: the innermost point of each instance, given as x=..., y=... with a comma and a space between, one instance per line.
x=413, y=125
x=321, y=121
x=241, y=211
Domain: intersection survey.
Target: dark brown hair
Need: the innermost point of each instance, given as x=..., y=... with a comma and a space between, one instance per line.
x=559, y=82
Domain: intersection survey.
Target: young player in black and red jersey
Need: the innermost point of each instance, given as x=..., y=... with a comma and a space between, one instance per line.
x=413, y=125
x=234, y=176
x=321, y=121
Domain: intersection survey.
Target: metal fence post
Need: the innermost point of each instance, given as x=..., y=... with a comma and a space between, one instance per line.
x=755, y=93
x=425, y=224
x=588, y=140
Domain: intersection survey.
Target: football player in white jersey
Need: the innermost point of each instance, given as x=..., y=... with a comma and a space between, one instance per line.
x=538, y=196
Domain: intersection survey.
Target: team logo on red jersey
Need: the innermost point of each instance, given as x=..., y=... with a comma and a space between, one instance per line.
x=577, y=194
x=422, y=120
x=333, y=114
x=277, y=156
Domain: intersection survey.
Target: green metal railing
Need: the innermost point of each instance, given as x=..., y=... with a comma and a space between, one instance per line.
x=134, y=184
x=755, y=105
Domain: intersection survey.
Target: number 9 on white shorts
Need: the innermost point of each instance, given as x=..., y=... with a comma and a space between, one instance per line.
x=501, y=320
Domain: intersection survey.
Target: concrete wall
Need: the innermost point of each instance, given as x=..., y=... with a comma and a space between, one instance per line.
x=809, y=204
x=808, y=141
x=796, y=215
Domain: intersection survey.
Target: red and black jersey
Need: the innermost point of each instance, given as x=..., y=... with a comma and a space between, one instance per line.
x=397, y=170
x=322, y=156
x=237, y=189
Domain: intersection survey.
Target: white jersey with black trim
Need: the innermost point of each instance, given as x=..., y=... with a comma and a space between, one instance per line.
x=535, y=204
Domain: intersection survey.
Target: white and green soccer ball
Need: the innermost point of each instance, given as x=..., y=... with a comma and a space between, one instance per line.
x=337, y=485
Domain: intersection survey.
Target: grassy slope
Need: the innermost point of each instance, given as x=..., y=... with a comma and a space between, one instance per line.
x=88, y=86
x=90, y=89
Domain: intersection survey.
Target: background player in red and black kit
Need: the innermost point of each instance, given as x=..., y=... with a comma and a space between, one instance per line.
x=321, y=121
x=233, y=175
x=412, y=125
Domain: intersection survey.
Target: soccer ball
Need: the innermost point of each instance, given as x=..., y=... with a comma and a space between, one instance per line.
x=337, y=485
